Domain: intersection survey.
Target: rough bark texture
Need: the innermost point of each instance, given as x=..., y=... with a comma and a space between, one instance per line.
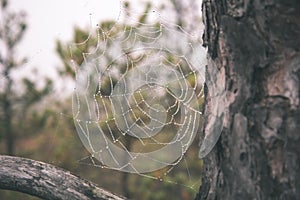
x=257, y=45
x=47, y=181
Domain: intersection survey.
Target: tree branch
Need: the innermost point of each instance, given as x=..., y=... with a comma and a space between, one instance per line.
x=47, y=181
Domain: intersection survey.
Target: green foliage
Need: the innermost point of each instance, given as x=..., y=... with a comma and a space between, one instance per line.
x=179, y=182
x=49, y=134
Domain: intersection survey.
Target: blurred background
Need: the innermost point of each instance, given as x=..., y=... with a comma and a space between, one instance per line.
x=37, y=81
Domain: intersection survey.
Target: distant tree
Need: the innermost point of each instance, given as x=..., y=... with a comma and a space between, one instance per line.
x=85, y=42
x=187, y=15
x=254, y=46
x=72, y=55
x=14, y=104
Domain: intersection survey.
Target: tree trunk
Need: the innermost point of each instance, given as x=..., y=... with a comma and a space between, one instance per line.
x=7, y=109
x=47, y=181
x=254, y=46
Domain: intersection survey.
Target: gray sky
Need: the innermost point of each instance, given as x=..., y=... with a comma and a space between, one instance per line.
x=49, y=20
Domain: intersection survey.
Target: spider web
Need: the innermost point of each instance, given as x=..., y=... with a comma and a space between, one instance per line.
x=137, y=99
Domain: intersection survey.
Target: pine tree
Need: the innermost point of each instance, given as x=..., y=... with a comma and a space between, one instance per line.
x=14, y=104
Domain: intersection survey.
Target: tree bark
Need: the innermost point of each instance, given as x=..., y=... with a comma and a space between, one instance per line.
x=47, y=181
x=255, y=48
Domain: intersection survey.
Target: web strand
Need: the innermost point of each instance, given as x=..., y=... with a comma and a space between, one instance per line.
x=136, y=102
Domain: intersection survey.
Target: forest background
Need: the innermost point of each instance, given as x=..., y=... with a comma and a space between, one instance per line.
x=36, y=119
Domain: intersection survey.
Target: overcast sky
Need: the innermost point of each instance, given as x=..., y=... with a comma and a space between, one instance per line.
x=49, y=20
